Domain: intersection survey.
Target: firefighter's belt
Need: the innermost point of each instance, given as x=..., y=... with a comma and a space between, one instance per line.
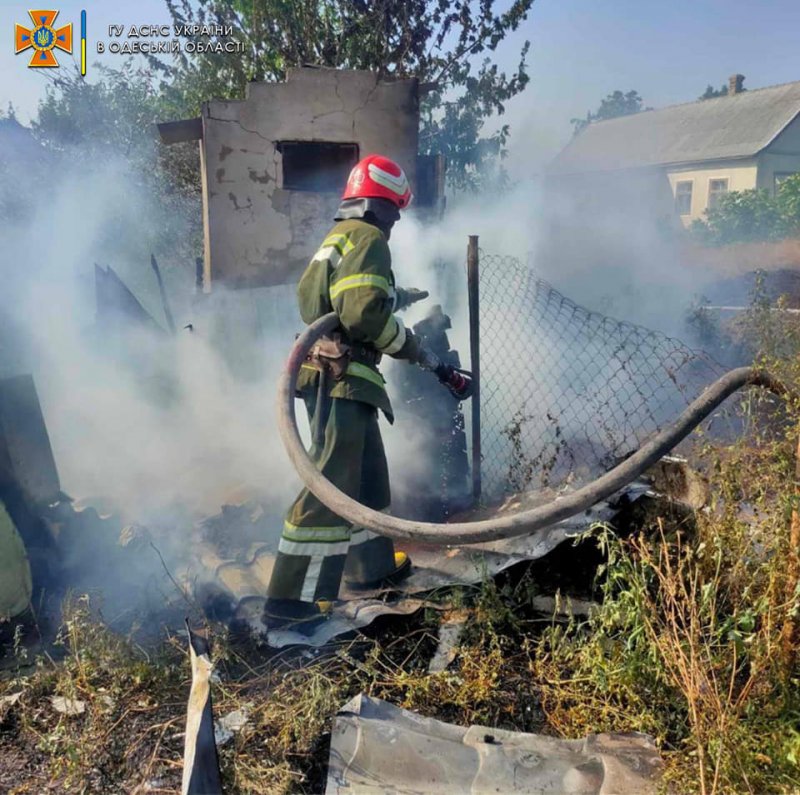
x=330, y=356
x=333, y=356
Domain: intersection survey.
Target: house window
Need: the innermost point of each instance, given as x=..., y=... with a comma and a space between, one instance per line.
x=317, y=166
x=716, y=189
x=683, y=197
x=781, y=176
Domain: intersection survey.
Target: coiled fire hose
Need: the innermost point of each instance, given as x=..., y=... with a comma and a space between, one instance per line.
x=508, y=526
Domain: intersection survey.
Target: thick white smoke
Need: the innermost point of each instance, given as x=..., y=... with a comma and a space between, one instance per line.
x=616, y=256
x=152, y=422
x=145, y=420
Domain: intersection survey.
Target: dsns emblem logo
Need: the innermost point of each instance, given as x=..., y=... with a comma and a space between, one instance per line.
x=43, y=38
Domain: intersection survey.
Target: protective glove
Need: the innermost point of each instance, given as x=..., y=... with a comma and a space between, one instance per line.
x=404, y=298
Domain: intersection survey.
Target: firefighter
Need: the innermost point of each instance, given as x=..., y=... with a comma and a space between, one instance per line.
x=351, y=274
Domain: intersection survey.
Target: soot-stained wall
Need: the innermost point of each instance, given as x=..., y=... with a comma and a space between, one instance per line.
x=264, y=210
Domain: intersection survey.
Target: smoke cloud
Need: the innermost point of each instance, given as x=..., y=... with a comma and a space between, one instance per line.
x=142, y=418
x=167, y=429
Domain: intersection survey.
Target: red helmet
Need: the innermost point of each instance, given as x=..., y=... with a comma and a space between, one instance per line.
x=377, y=177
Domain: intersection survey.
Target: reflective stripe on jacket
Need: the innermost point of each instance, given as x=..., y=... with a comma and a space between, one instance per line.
x=351, y=274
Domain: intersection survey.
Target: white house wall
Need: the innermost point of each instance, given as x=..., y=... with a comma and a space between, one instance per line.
x=741, y=175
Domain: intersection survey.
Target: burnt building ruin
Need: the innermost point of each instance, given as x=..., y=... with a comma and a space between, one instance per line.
x=274, y=165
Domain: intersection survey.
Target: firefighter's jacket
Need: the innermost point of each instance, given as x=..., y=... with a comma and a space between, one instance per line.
x=351, y=274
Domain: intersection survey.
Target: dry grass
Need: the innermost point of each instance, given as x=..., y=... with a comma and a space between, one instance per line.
x=129, y=738
x=689, y=642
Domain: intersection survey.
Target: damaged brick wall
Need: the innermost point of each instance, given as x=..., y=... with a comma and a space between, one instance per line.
x=263, y=223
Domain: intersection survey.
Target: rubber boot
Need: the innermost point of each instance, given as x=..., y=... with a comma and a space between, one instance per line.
x=402, y=568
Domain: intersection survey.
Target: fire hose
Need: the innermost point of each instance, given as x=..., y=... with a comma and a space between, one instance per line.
x=508, y=526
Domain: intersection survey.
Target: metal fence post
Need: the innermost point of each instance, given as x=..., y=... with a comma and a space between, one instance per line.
x=473, y=293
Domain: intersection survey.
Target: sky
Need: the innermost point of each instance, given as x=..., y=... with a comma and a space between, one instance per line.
x=581, y=50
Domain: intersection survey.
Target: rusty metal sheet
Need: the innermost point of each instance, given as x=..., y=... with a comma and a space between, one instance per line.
x=378, y=748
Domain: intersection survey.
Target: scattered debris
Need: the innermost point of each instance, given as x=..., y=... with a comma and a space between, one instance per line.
x=117, y=306
x=450, y=631
x=563, y=607
x=9, y=700
x=68, y=706
x=433, y=423
x=201, y=774
x=233, y=587
x=347, y=617
x=154, y=785
x=674, y=478
x=27, y=465
x=107, y=701
x=135, y=537
x=230, y=724
x=162, y=292
x=236, y=527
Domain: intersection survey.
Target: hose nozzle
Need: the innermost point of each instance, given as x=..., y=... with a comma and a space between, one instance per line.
x=460, y=383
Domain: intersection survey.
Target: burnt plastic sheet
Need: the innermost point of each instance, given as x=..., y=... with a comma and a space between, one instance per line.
x=378, y=748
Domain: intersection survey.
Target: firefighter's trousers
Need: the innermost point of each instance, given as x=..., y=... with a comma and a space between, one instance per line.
x=317, y=546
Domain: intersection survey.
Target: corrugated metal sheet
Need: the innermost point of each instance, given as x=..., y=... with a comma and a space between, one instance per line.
x=715, y=129
x=240, y=582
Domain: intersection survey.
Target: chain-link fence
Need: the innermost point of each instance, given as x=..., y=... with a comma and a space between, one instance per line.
x=566, y=392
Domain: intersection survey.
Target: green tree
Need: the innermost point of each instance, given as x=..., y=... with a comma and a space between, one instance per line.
x=748, y=215
x=21, y=167
x=614, y=105
x=752, y=215
x=112, y=113
x=788, y=196
x=447, y=46
x=713, y=93
x=108, y=124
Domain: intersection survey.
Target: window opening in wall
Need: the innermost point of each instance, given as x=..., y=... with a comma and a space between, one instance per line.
x=683, y=197
x=716, y=189
x=318, y=166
